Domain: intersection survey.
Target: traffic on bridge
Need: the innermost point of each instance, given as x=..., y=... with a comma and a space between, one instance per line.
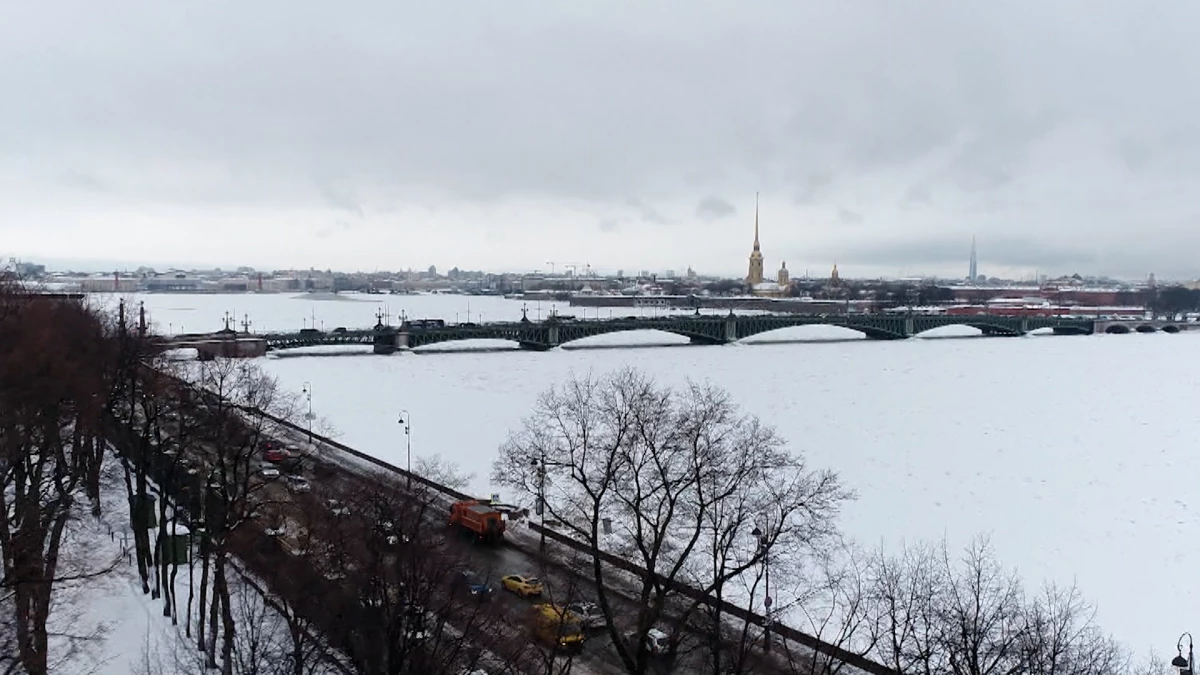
x=705, y=329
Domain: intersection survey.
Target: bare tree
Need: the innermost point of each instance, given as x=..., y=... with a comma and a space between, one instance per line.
x=52, y=387
x=235, y=392
x=415, y=606
x=695, y=492
x=833, y=595
x=982, y=610
x=905, y=592
x=442, y=471
x=934, y=614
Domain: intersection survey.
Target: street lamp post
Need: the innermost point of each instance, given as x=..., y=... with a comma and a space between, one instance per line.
x=406, y=421
x=539, y=467
x=1179, y=664
x=764, y=550
x=308, y=416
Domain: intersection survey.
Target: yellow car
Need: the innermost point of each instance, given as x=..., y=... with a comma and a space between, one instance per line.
x=522, y=586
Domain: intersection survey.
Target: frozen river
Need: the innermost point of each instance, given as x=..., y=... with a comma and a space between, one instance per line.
x=1075, y=453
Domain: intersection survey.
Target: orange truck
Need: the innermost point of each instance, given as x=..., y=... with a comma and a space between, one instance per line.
x=479, y=518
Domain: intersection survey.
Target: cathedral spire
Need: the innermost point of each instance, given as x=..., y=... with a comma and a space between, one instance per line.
x=755, y=221
x=755, y=271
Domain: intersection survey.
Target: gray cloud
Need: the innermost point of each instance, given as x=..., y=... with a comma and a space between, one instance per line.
x=997, y=257
x=714, y=208
x=847, y=217
x=476, y=133
x=916, y=195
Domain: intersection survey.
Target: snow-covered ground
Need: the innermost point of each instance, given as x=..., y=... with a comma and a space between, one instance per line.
x=105, y=625
x=1075, y=453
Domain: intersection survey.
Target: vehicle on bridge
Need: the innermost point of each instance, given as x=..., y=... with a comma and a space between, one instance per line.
x=556, y=625
x=424, y=323
x=484, y=521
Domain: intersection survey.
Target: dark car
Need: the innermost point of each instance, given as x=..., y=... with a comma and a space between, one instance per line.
x=476, y=585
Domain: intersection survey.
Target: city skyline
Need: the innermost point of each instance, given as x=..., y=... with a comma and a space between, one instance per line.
x=881, y=137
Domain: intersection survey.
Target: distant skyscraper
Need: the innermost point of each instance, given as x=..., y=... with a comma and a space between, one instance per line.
x=973, y=274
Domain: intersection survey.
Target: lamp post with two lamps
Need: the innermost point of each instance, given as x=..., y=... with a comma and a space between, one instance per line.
x=308, y=416
x=406, y=421
x=764, y=550
x=1179, y=664
x=539, y=468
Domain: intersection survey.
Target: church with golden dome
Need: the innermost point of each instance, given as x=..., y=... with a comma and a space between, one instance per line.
x=755, y=280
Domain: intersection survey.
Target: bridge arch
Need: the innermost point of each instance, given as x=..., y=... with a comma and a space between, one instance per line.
x=889, y=330
x=1117, y=329
x=804, y=332
x=984, y=327
x=1146, y=328
x=467, y=344
x=701, y=332
x=1170, y=328
x=632, y=337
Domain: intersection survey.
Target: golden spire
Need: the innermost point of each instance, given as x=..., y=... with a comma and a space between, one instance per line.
x=755, y=221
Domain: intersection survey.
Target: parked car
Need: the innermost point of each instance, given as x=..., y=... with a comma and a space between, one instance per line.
x=658, y=643
x=276, y=455
x=269, y=472
x=521, y=585
x=589, y=614
x=297, y=483
x=476, y=585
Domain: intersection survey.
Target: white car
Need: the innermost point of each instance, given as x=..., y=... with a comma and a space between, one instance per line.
x=297, y=483
x=269, y=472
x=589, y=614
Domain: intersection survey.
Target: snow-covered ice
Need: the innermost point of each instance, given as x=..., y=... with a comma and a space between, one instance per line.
x=1075, y=453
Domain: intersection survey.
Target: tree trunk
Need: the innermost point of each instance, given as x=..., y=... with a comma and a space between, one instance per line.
x=211, y=648
x=200, y=625
x=95, y=458
x=226, y=618
x=187, y=625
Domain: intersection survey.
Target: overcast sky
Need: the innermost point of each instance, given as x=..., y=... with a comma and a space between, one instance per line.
x=628, y=135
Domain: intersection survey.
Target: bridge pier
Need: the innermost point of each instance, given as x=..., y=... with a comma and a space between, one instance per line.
x=731, y=328
x=387, y=340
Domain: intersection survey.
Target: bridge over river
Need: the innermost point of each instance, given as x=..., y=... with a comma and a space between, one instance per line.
x=699, y=328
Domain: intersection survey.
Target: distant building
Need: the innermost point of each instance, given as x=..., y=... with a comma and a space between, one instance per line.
x=754, y=275
x=755, y=278
x=973, y=268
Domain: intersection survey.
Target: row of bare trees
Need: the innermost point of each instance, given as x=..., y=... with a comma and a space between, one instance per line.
x=360, y=565
x=56, y=368
x=929, y=608
x=696, y=493
x=74, y=379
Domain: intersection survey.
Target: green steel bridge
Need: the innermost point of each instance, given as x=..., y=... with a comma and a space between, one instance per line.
x=700, y=329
